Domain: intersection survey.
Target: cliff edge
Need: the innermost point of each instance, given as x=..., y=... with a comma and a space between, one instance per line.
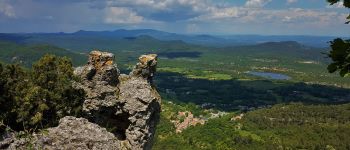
x=120, y=111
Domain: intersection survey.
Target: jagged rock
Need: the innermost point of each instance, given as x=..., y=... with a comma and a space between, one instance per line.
x=71, y=133
x=99, y=81
x=146, y=67
x=142, y=104
x=127, y=105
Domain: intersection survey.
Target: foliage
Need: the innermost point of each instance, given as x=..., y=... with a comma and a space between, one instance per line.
x=230, y=95
x=38, y=98
x=298, y=126
x=25, y=55
x=340, y=55
x=292, y=126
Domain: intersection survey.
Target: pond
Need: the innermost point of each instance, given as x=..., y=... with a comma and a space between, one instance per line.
x=270, y=75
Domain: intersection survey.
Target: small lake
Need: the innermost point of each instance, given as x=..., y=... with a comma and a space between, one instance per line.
x=270, y=75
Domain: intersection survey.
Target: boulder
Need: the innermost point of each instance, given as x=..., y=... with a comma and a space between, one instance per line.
x=71, y=133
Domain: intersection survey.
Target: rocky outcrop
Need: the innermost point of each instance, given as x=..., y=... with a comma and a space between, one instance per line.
x=99, y=79
x=128, y=106
x=72, y=133
x=146, y=67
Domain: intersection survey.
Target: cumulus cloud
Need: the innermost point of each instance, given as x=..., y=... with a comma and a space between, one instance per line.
x=160, y=4
x=7, y=9
x=187, y=15
x=165, y=10
x=292, y=16
x=122, y=15
x=257, y=3
x=298, y=15
x=336, y=5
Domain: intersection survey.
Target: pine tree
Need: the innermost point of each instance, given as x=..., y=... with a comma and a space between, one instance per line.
x=38, y=98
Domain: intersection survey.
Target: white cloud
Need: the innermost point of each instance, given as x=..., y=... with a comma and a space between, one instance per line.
x=180, y=15
x=7, y=9
x=165, y=10
x=300, y=16
x=222, y=13
x=160, y=4
x=122, y=15
x=291, y=1
x=336, y=5
x=257, y=3
x=296, y=16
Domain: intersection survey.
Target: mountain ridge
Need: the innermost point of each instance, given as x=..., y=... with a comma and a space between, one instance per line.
x=199, y=39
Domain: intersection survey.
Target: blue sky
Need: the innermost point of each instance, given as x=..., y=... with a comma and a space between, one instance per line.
x=266, y=17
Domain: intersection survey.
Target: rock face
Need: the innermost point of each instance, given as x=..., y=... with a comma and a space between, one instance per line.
x=99, y=81
x=146, y=67
x=127, y=105
x=72, y=133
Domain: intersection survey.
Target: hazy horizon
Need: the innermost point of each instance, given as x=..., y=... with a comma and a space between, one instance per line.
x=189, y=34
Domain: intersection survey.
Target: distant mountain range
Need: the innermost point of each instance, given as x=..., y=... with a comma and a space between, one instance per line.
x=213, y=40
x=205, y=40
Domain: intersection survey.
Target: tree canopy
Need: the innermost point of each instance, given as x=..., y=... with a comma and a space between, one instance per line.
x=340, y=53
x=38, y=98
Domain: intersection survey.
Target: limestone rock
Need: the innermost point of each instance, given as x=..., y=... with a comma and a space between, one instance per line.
x=99, y=81
x=142, y=104
x=127, y=104
x=146, y=67
x=71, y=133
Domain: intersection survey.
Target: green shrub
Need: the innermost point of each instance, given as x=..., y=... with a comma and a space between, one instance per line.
x=38, y=98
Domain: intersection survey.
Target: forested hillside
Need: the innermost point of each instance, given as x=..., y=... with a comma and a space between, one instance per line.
x=11, y=52
x=292, y=126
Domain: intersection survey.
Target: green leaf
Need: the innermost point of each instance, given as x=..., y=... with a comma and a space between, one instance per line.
x=339, y=50
x=347, y=3
x=332, y=67
x=332, y=1
x=344, y=72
